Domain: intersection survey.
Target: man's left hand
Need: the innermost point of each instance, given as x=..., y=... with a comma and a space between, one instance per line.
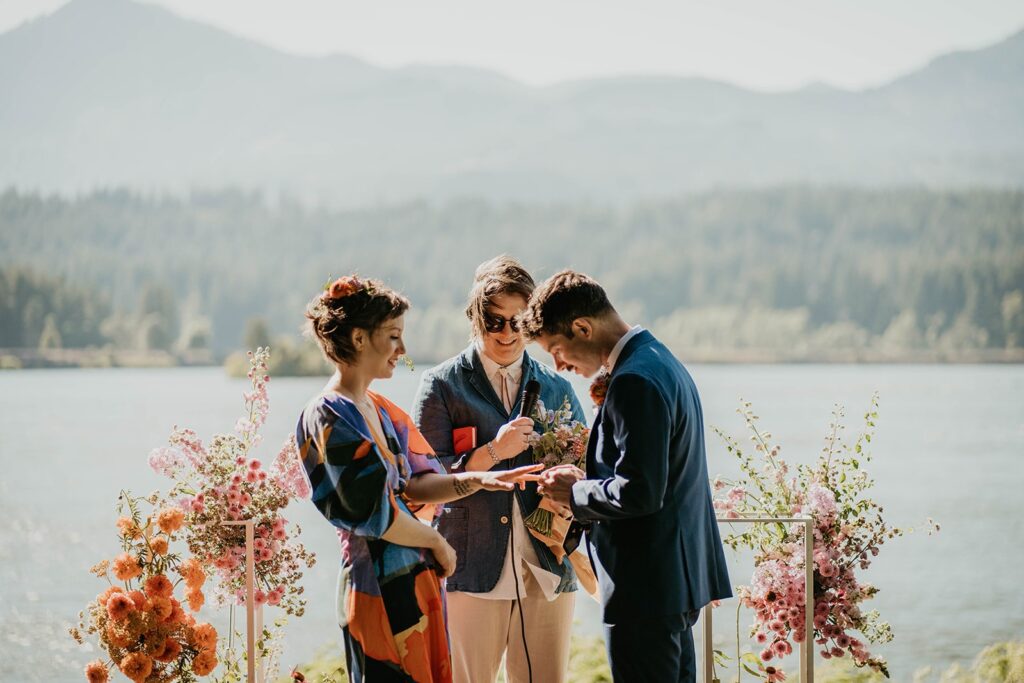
x=557, y=483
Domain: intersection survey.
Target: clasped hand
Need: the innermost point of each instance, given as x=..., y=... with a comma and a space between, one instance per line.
x=557, y=483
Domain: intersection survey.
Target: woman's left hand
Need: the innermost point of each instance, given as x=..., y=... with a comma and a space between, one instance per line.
x=504, y=480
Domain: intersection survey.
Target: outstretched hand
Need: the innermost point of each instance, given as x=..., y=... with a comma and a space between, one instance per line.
x=507, y=480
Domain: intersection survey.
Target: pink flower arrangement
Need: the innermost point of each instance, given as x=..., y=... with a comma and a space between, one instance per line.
x=223, y=482
x=848, y=532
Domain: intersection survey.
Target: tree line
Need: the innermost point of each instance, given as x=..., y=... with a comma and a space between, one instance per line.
x=792, y=269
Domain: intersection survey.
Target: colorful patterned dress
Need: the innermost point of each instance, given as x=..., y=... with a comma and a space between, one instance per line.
x=390, y=598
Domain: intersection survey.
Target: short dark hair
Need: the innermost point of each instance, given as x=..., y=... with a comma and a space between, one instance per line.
x=331, y=320
x=500, y=275
x=560, y=299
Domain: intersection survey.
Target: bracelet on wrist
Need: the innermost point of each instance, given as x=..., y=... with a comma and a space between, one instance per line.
x=493, y=453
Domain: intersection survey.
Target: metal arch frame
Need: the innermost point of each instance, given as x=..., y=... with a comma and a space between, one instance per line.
x=806, y=647
x=253, y=614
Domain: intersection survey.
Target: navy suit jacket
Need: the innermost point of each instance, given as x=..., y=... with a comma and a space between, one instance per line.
x=654, y=537
x=457, y=394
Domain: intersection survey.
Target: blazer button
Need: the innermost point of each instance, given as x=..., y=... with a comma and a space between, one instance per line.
x=504, y=519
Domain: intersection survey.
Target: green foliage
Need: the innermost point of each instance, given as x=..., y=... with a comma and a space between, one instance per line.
x=45, y=311
x=289, y=359
x=328, y=666
x=588, y=661
x=795, y=272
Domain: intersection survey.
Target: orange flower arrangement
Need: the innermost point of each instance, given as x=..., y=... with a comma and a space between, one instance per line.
x=142, y=627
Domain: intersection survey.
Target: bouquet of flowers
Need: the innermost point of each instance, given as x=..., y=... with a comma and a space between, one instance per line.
x=562, y=441
x=141, y=625
x=223, y=482
x=849, y=531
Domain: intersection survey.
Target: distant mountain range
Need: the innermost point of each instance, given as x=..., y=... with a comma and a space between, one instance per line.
x=112, y=92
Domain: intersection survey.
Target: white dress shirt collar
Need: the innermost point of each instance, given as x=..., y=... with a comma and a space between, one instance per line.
x=613, y=357
x=514, y=370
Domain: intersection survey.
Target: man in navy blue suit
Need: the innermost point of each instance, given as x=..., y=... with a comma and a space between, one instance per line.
x=645, y=493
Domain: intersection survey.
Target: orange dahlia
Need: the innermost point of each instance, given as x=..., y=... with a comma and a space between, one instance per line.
x=105, y=595
x=161, y=607
x=119, y=635
x=159, y=585
x=139, y=598
x=170, y=519
x=171, y=651
x=196, y=599
x=119, y=606
x=192, y=571
x=205, y=637
x=126, y=567
x=136, y=666
x=204, y=663
x=96, y=672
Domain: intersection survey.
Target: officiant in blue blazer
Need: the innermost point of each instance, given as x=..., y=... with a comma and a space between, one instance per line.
x=653, y=535
x=509, y=598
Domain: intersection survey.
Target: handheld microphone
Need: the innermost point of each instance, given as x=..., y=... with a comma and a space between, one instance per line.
x=531, y=394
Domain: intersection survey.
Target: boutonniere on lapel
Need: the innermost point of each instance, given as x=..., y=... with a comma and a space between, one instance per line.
x=599, y=388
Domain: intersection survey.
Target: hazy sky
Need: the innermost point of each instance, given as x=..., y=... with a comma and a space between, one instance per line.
x=765, y=44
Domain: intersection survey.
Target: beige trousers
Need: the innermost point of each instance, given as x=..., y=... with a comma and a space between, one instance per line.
x=482, y=630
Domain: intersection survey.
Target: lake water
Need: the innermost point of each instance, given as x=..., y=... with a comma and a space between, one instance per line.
x=949, y=446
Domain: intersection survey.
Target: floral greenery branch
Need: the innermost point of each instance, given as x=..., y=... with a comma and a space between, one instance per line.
x=849, y=531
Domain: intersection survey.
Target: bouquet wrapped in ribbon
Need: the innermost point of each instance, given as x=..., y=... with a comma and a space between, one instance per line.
x=561, y=441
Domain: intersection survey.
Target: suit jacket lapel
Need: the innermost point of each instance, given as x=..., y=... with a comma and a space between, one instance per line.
x=592, y=441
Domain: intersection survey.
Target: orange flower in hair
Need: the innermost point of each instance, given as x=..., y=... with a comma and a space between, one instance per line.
x=342, y=287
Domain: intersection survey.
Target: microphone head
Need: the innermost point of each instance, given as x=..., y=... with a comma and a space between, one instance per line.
x=531, y=394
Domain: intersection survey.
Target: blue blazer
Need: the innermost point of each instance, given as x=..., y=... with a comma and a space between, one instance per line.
x=654, y=537
x=457, y=394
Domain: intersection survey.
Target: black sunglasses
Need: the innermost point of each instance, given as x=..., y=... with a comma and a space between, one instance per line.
x=495, y=323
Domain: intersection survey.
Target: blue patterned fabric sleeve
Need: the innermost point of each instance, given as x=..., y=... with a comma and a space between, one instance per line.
x=348, y=476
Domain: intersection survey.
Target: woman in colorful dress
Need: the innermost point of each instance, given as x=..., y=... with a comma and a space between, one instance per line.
x=372, y=473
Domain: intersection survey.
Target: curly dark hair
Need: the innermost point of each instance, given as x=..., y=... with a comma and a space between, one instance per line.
x=331, y=321
x=562, y=298
x=500, y=275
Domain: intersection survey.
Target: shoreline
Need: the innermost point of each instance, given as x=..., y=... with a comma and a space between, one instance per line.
x=32, y=359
